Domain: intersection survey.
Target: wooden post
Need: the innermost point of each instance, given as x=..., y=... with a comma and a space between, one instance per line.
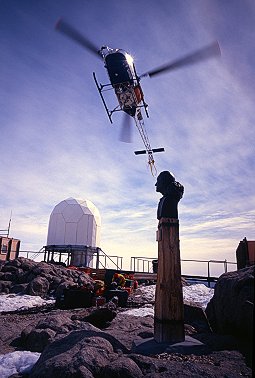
x=168, y=316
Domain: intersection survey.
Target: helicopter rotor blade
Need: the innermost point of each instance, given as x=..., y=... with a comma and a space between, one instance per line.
x=126, y=130
x=199, y=55
x=76, y=36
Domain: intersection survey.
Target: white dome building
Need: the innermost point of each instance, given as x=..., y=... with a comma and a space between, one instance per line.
x=74, y=226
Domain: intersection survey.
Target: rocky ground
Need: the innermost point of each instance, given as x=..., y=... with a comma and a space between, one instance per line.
x=100, y=342
x=225, y=356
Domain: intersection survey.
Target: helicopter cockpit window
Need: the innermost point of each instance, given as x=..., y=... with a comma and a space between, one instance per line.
x=118, y=68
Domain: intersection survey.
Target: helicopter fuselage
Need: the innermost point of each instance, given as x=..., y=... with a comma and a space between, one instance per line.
x=123, y=78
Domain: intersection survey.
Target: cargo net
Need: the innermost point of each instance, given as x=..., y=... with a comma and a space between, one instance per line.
x=142, y=131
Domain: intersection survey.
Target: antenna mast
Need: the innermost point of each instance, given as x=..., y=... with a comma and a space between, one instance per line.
x=9, y=225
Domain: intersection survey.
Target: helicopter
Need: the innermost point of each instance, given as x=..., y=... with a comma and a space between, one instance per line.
x=125, y=82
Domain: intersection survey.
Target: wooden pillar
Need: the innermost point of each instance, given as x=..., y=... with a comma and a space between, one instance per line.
x=168, y=317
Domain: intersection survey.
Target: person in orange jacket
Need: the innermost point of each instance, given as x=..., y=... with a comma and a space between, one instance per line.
x=119, y=279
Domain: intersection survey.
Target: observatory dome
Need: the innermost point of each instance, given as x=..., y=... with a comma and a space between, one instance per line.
x=74, y=222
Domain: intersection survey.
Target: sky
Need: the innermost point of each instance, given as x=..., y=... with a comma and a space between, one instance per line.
x=23, y=361
x=57, y=141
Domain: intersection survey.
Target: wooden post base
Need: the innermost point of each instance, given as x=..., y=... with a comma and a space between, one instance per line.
x=168, y=331
x=168, y=316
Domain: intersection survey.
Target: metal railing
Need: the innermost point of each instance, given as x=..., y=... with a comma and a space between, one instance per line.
x=209, y=263
x=108, y=261
x=148, y=264
x=100, y=258
x=145, y=262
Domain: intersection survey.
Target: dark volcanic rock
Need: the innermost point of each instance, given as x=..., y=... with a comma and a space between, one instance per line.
x=8, y=276
x=9, y=267
x=38, y=286
x=122, y=367
x=87, y=354
x=74, y=356
x=19, y=288
x=40, y=278
x=231, y=309
x=55, y=326
x=35, y=338
x=5, y=286
x=101, y=317
x=148, y=365
x=60, y=323
x=38, y=339
x=130, y=328
x=196, y=317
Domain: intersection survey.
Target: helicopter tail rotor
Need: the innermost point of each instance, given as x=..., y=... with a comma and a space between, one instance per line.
x=126, y=130
x=76, y=36
x=205, y=53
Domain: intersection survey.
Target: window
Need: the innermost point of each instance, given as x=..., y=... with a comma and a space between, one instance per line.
x=4, y=249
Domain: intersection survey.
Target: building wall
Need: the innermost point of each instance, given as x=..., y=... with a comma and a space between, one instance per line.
x=245, y=253
x=9, y=248
x=251, y=252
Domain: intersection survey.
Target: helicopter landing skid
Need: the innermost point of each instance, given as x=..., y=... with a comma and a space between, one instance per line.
x=99, y=88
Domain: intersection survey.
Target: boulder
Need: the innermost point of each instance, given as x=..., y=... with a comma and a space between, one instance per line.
x=38, y=286
x=76, y=355
x=8, y=267
x=59, y=292
x=57, y=325
x=60, y=323
x=146, y=334
x=19, y=288
x=230, y=311
x=5, y=286
x=18, y=273
x=55, y=282
x=122, y=367
x=196, y=317
x=8, y=276
x=148, y=365
x=41, y=278
x=101, y=317
x=23, y=277
x=26, y=264
x=42, y=268
x=38, y=339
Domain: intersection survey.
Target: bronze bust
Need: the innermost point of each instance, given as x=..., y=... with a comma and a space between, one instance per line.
x=172, y=193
